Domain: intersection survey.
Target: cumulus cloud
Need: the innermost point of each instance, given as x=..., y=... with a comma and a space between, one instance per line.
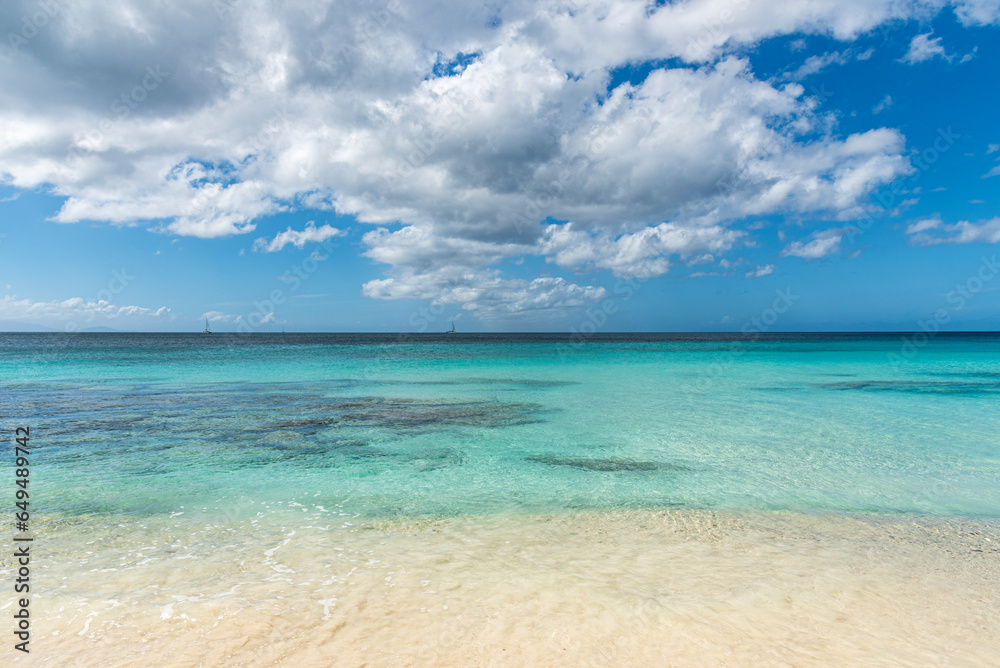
x=820, y=244
x=765, y=270
x=218, y=316
x=521, y=297
x=471, y=126
x=641, y=254
x=978, y=12
x=922, y=48
x=487, y=294
x=299, y=239
x=78, y=313
x=933, y=232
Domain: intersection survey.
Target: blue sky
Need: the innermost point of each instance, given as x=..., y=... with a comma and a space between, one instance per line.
x=511, y=167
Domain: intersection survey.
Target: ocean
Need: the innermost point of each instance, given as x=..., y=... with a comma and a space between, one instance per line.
x=275, y=498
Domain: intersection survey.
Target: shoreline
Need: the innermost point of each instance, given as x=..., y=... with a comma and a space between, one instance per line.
x=671, y=587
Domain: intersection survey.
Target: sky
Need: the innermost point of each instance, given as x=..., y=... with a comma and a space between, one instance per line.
x=566, y=166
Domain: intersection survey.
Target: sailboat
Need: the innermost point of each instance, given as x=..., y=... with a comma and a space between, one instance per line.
x=208, y=330
x=452, y=330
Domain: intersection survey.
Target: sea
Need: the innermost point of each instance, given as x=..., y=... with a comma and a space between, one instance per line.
x=548, y=499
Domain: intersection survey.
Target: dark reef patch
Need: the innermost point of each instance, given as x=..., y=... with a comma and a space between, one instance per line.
x=605, y=464
x=508, y=383
x=411, y=414
x=918, y=387
x=123, y=413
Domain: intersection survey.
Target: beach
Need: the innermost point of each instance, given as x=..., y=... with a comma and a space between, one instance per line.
x=328, y=500
x=629, y=588
x=623, y=333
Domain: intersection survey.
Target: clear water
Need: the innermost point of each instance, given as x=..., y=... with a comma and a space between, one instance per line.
x=146, y=425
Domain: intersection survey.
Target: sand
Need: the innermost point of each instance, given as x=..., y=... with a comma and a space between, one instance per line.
x=631, y=588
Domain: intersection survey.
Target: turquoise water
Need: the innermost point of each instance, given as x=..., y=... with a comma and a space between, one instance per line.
x=140, y=425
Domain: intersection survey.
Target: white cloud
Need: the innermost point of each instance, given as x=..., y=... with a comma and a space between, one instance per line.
x=765, y=270
x=276, y=107
x=978, y=12
x=449, y=270
x=311, y=233
x=922, y=48
x=933, y=232
x=506, y=297
x=428, y=265
x=992, y=148
x=486, y=293
x=816, y=64
x=641, y=254
x=993, y=172
x=884, y=104
x=923, y=225
x=218, y=316
x=701, y=274
x=78, y=313
x=650, y=151
x=821, y=244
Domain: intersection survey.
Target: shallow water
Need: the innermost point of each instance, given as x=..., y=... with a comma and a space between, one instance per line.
x=503, y=424
x=687, y=498
x=633, y=588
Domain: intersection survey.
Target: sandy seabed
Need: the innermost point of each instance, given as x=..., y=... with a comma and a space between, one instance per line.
x=631, y=588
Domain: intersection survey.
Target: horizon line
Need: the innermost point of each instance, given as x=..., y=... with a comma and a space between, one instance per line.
x=526, y=333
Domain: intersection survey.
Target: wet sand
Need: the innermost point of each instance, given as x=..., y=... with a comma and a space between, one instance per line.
x=635, y=588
